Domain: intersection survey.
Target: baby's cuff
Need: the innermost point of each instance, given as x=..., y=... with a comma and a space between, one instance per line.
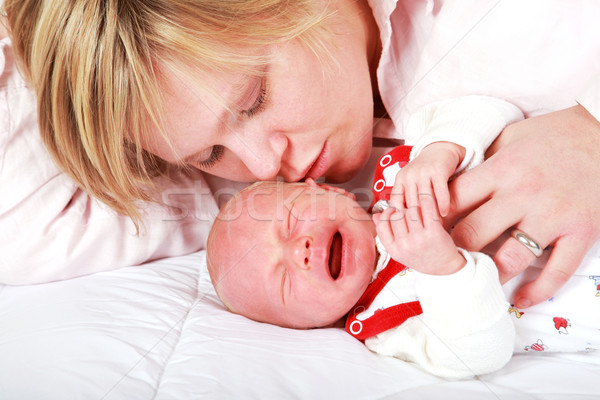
x=473, y=293
x=472, y=122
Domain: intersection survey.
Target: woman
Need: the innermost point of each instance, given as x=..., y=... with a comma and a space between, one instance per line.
x=251, y=90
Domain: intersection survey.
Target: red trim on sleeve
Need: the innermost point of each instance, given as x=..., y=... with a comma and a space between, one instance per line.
x=381, y=320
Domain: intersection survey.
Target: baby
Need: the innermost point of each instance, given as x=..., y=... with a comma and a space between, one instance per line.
x=304, y=255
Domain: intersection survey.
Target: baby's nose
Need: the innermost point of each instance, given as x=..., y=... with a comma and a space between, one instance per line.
x=301, y=251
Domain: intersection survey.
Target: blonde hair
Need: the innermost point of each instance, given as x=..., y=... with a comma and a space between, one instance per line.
x=94, y=67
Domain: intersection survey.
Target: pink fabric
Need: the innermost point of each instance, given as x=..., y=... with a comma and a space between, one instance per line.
x=540, y=55
x=51, y=230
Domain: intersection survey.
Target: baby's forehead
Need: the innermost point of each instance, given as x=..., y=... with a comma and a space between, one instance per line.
x=264, y=199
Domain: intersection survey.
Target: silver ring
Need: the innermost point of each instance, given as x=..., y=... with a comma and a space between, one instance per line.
x=527, y=241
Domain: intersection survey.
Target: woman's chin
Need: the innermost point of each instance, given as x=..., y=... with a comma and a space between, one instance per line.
x=346, y=172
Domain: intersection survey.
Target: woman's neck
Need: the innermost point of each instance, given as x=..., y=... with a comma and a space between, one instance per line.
x=359, y=19
x=371, y=36
x=372, y=40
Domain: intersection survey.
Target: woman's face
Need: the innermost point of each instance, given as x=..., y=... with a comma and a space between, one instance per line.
x=304, y=118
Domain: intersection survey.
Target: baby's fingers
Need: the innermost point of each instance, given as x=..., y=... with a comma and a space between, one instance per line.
x=397, y=195
x=411, y=194
x=390, y=224
x=383, y=228
x=429, y=212
x=442, y=195
x=414, y=220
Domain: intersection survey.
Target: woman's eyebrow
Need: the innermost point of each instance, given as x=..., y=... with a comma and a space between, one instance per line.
x=192, y=158
x=243, y=87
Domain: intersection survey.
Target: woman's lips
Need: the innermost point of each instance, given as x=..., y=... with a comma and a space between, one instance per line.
x=320, y=165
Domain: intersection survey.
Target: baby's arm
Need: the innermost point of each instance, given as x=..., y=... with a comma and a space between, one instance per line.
x=416, y=238
x=465, y=328
x=461, y=129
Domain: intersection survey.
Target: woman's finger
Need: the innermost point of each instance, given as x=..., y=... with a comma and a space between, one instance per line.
x=514, y=256
x=485, y=224
x=468, y=191
x=566, y=256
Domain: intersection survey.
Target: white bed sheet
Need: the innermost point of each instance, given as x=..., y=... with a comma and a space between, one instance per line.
x=158, y=331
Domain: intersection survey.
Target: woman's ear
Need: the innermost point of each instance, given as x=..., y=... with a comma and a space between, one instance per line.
x=311, y=182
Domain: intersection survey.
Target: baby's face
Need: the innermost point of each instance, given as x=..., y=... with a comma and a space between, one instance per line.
x=292, y=254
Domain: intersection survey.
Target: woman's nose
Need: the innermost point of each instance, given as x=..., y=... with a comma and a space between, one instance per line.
x=262, y=153
x=300, y=251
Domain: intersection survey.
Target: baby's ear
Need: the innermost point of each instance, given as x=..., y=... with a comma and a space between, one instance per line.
x=311, y=182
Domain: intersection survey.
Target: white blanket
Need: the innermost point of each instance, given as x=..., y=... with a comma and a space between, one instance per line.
x=158, y=331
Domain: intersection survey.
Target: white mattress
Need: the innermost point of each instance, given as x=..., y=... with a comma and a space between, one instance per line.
x=158, y=331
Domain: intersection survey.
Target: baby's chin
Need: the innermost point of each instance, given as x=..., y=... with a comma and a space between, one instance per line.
x=326, y=321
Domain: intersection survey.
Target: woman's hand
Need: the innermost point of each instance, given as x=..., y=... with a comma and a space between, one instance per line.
x=543, y=177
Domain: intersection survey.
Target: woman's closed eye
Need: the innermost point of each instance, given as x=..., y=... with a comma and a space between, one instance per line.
x=259, y=94
x=260, y=99
x=215, y=156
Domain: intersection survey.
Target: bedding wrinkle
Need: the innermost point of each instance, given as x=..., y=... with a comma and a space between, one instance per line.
x=158, y=330
x=204, y=351
x=187, y=294
x=183, y=321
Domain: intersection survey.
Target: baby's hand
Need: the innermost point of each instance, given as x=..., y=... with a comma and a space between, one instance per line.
x=416, y=238
x=427, y=175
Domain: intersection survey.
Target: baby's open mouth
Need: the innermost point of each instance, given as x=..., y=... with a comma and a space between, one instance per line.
x=335, y=256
